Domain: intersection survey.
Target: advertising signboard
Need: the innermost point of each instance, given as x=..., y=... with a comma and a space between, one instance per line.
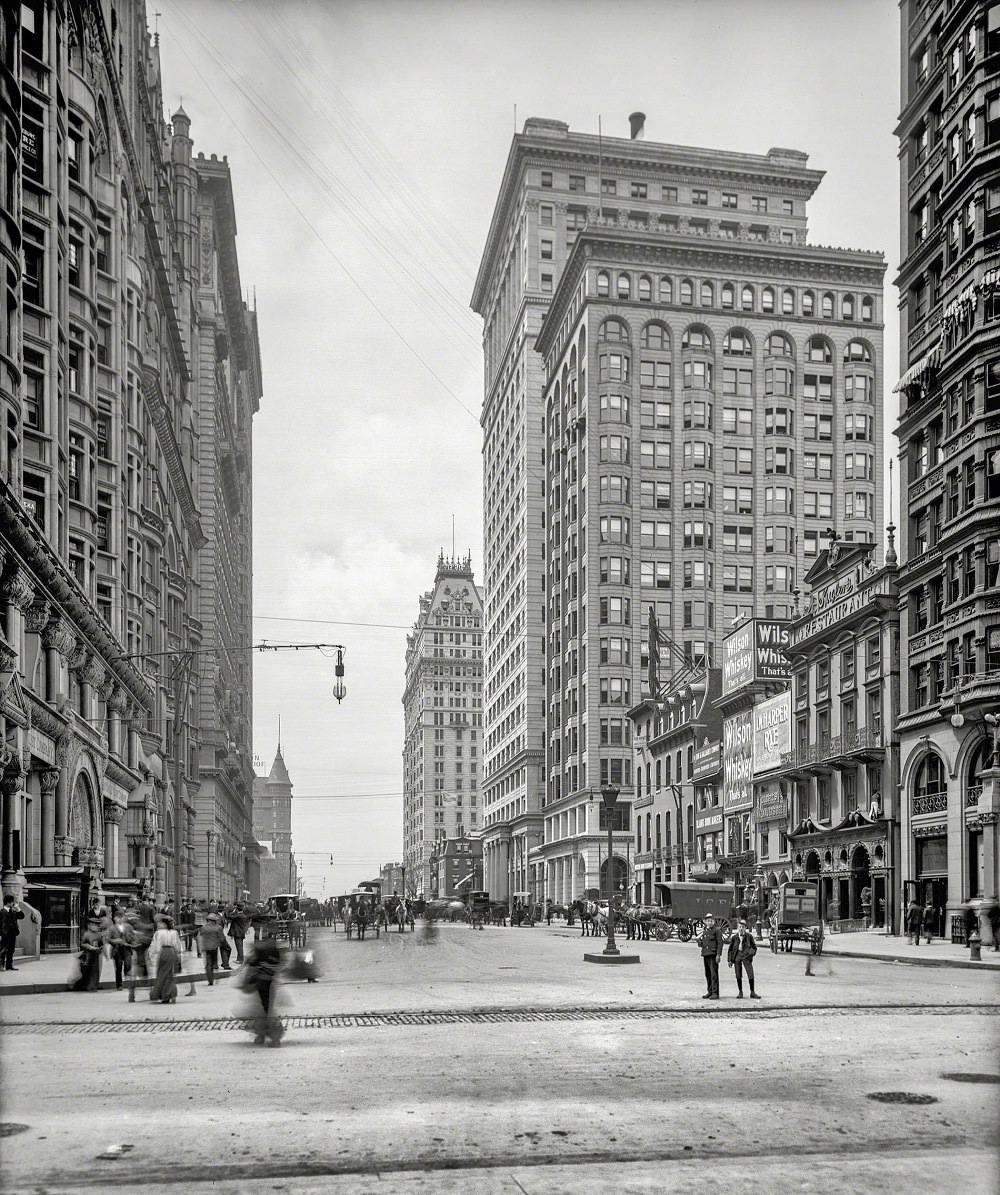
x=737, y=761
x=772, y=732
x=755, y=651
x=707, y=761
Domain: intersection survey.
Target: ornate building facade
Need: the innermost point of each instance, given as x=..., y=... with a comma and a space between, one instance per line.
x=949, y=452
x=443, y=719
x=702, y=385
x=116, y=368
x=272, y=829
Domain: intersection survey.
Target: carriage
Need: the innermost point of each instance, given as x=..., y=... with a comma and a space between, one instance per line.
x=286, y=922
x=399, y=911
x=795, y=916
x=683, y=908
x=478, y=908
x=362, y=911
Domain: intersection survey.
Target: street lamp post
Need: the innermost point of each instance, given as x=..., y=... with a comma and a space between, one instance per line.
x=609, y=795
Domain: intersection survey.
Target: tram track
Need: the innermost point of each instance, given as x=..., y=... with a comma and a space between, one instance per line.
x=500, y=1016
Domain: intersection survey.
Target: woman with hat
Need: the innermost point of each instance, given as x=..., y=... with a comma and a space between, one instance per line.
x=91, y=949
x=164, y=960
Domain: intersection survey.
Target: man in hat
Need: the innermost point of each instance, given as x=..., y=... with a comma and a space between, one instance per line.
x=210, y=939
x=711, y=952
x=742, y=948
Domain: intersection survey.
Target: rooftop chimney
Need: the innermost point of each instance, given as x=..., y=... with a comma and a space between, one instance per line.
x=637, y=125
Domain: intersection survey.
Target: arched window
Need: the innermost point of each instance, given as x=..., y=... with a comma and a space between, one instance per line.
x=930, y=778
x=747, y=297
x=858, y=350
x=624, y=286
x=728, y=299
x=666, y=290
x=847, y=307
x=738, y=343
x=819, y=350
x=778, y=345
x=808, y=303
x=614, y=330
x=603, y=284
x=826, y=310
x=583, y=344
x=687, y=292
x=654, y=336
x=707, y=294
x=867, y=310
x=645, y=288
x=767, y=300
x=649, y=831
x=658, y=835
x=788, y=301
x=696, y=337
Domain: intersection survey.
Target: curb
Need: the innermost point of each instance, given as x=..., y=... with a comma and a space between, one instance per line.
x=106, y=985
x=963, y=964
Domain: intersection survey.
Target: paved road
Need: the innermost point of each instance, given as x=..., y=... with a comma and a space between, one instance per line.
x=499, y=1061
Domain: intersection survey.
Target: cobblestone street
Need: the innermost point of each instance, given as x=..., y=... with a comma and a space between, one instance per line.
x=501, y=1061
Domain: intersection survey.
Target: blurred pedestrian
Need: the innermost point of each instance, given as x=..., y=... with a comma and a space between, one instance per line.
x=120, y=944
x=164, y=959
x=914, y=917
x=261, y=981
x=742, y=949
x=927, y=923
x=89, y=959
x=711, y=951
x=238, y=924
x=209, y=940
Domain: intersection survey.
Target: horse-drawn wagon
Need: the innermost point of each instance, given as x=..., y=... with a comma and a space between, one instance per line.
x=795, y=916
x=362, y=912
x=683, y=908
x=285, y=922
x=478, y=907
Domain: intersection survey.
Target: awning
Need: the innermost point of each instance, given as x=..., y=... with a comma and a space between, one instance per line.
x=915, y=372
x=957, y=307
x=991, y=279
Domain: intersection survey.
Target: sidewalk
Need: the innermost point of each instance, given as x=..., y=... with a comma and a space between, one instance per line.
x=876, y=946
x=49, y=973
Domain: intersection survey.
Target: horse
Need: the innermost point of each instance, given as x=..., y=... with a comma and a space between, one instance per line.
x=362, y=918
x=348, y=917
x=587, y=911
x=404, y=915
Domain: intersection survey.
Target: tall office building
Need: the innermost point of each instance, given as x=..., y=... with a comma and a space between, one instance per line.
x=272, y=829
x=443, y=718
x=949, y=450
x=650, y=310
x=130, y=372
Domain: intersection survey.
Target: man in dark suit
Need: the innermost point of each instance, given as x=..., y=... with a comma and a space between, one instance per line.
x=711, y=952
x=10, y=915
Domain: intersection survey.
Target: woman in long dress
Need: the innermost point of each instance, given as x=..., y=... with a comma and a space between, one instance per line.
x=91, y=948
x=260, y=983
x=164, y=960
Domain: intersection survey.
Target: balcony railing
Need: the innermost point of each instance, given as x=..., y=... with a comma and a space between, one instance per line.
x=972, y=795
x=930, y=803
x=832, y=746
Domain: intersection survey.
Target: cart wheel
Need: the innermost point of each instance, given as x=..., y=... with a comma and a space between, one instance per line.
x=661, y=934
x=684, y=931
x=727, y=930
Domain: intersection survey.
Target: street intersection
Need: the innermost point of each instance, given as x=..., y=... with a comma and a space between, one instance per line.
x=500, y=1061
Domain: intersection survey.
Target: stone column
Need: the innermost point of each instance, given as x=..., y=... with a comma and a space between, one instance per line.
x=113, y=815
x=47, y=827
x=12, y=877
x=989, y=815
x=18, y=589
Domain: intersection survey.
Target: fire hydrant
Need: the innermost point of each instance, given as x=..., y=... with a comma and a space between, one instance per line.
x=975, y=946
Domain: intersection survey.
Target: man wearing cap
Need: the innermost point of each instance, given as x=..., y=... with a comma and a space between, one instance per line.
x=742, y=948
x=711, y=952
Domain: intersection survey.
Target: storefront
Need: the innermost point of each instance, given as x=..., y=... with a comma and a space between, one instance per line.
x=853, y=865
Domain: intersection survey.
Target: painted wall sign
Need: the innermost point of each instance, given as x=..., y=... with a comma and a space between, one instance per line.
x=707, y=761
x=737, y=761
x=755, y=651
x=836, y=603
x=771, y=806
x=772, y=732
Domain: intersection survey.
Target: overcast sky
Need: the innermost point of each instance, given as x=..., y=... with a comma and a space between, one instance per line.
x=367, y=142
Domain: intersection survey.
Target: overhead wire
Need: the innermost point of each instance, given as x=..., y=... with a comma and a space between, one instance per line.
x=319, y=236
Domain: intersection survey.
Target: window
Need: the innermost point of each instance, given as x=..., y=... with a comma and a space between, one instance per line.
x=758, y=203
x=624, y=286
x=737, y=343
x=577, y=182
x=747, y=298
x=787, y=302
x=737, y=460
x=697, y=454
x=613, y=367
x=654, y=375
x=654, y=413
x=779, y=539
x=699, y=197
x=858, y=388
x=614, y=529
x=698, y=375
x=655, y=495
x=817, y=426
x=614, y=408
x=817, y=386
x=728, y=296
x=698, y=228
x=737, y=383
x=729, y=199
x=737, y=539
x=614, y=488
x=737, y=420
x=697, y=534
x=779, y=578
x=826, y=309
x=645, y=288
x=737, y=500
x=687, y=292
x=545, y=215
x=779, y=460
x=697, y=414
x=867, y=310
x=847, y=307
x=707, y=295
x=787, y=207
x=609, y=186
x=779, y=421
x=614, y=570
x=546, y=178
x=546, y=284
x=858, y=466
x=613, y=449
x=737, y=578
x=698, y=574
x=545, y=250
x=808, y=303
x=668, y=194
x=666, y=290
x=858, y=505
x=779, y=383
x=654, y=454
x=638, y=190
x=697, y=495
x=859, y=427
x=767, y=300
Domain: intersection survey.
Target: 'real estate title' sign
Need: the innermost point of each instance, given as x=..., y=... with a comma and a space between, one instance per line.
x=755, y=651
